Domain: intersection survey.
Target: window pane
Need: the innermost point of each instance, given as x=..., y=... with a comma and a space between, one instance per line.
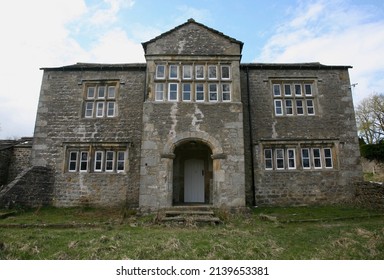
x=287, y=90
x=268, y=159
x=316, y=158
x=172, y=94
x=187, y=72
x=89, y=109
x=279, y=158
x=299, y=107
x=187, y=92
x=305, y=158
x=199, y=92
x=226, y=92
x=212, y=72
x=98, y=161
x=173, y=71
x=291, y=159
x=328, y=158
x=308, y=89
x=100, y=109
x=111, y=92
x=72, y=164
x=159, y=92
x=278, y=108
x=91, y=93
x=288, y=107
x=111, y=109
x=109, y=161
x=101, y=92
x=310, y=107
x=120, y=161
x=84, y=161
x=160, y=71
x=199, y=71
x=225, y=73
x=298, y=89
x=276, y=90
x=213, y=92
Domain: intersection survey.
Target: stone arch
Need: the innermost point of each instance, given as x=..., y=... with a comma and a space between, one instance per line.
x=181, y=138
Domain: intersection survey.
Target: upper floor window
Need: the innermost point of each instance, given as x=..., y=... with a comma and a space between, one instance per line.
x=100, y=101
x=160, y=71
x=293, y=98
x=201, y=82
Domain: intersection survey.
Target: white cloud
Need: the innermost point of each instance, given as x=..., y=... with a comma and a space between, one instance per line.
x=332, y=32
x=108, y=15
x=116, y=47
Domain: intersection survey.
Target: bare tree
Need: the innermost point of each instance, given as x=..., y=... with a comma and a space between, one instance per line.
x=370, y=119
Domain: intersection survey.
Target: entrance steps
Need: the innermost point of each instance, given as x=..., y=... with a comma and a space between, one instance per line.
x=193, y=214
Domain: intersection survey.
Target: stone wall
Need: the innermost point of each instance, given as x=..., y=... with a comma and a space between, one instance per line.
x=61, y=126
x=370, y=195
x=5, y=158
x=31, y=188
x=21, y=158
x=332, y=126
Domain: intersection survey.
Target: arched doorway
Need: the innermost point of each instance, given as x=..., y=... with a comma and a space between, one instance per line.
x=192, y=173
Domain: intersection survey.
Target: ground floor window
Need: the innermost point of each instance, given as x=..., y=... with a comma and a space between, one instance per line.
x=293, y=158
x=96, y=159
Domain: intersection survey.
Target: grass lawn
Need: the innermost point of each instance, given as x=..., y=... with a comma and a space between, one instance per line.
x=327, y=232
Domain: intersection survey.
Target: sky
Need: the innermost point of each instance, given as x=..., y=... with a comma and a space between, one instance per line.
x=53, y=33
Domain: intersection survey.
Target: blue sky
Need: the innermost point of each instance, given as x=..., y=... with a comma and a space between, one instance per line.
x=45, y=33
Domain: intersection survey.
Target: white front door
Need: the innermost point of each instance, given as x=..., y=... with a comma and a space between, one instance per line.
x=194, y=180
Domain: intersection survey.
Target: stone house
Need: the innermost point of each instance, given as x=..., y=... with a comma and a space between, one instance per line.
x=194, y=125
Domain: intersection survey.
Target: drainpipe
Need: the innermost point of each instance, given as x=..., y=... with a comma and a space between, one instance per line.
x=251, y=141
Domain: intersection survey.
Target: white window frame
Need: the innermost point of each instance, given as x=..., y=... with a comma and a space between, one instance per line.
x=287, y=86
x=288, y=108
x=100, y=111
x=306, y=158
x=224, y=92
x=91, y=92
x=268, y=159
x=279, y=157
x=212, y=72
x=73, y=161
x=276, y=89
x=109, y=110
x=158, y=92
x=229, y=72
x=213, y=93
x=112, y=161
x=291, y=159
x=281, y=113
x=171, y=72
x=197, y=72
x=310, y=107
x=100, y=161
x=83, y=161
x=298, y=89
x=184, y=91
x=118, y=160
x=306, y=86
x=160, y=77
x=190, y=71
x=330, y=158
x=300, y=107
x=89, y=111
x=317, y=164
x=170, y=92
x=101, y=92
x=199, y=91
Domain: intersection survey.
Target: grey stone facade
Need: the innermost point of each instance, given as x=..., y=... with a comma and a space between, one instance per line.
x=194, y=125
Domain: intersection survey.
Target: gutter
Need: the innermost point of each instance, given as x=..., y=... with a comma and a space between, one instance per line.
x=251, y=142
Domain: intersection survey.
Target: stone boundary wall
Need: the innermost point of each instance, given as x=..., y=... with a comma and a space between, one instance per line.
x=32, y=188
x=371, y=195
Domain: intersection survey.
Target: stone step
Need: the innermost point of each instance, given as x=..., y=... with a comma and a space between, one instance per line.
x=187, y=212
x=206, y=219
